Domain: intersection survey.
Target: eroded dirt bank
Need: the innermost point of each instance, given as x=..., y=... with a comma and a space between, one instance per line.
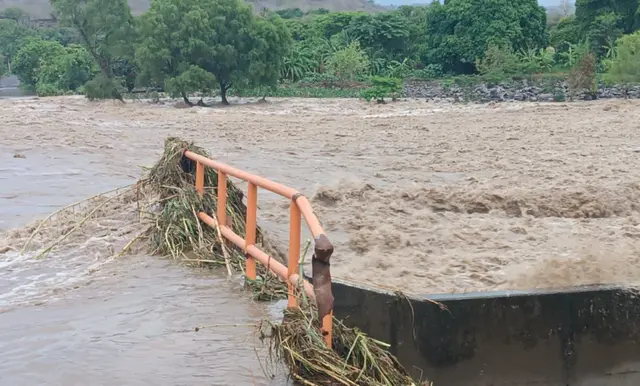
x=417, y=196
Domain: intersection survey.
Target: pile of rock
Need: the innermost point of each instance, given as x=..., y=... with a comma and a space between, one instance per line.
x=517, y=91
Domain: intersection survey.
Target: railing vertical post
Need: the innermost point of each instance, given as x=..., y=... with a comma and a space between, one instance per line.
x=294, y=251
x=200, y=179
x=222, y=198
x=327, y=328
x=250, y=239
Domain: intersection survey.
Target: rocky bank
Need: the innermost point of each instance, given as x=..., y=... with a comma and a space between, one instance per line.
x=524, y=90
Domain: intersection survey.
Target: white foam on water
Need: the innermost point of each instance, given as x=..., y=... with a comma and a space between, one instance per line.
x=27, y=279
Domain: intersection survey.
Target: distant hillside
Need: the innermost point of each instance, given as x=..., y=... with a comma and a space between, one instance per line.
x=41, y=9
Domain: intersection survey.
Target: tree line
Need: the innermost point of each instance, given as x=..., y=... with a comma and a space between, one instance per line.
x=214, y=46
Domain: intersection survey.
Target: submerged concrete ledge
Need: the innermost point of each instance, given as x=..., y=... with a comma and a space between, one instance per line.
x=582, y=336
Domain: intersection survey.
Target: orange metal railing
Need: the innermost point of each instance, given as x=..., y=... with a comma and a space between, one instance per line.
x=299, y=208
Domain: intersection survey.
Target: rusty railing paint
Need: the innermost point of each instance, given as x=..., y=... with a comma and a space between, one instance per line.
x=300, y=208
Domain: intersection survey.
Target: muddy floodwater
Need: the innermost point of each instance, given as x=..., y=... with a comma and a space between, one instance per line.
x=76, y=318
x=418, y=196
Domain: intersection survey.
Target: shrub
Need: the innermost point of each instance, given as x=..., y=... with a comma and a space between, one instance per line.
x=396, y=69
x=349, y=62
x=498, y=63
x=433, y=71
x=382, y=88
x=572, y=54
x=420, y=71
x=624, y=66
x=582, y=76
x=47, y=89
x=541, y=60
x=102, y=87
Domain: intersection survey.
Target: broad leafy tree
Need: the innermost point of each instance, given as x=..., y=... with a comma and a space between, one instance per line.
x=67, y=72
x=271, y=43
x=195, y=45
x=28, y=60
x=626, y=13
x=63, y=35
x=459, y=31
x=49, y=68
x=12, y=37
x=565, y=33
x=385, y=33
x=603, y=32
x=106, y=29
x=15, y=13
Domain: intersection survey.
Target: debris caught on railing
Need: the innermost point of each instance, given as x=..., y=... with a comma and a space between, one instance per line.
x=179, y=232
x=168, y=213
x=355, y=358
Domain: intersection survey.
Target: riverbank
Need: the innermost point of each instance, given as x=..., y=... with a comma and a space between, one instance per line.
x=462, y=89
x=466, y=89
x=543, y=89
x=428, y=197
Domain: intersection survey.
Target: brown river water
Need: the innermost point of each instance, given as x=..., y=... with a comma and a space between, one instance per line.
x=419, y=196
x=76, y=319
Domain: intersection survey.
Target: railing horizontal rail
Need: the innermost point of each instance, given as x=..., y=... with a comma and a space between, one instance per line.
x=300, y=208
x=262, y=182
x=274, y=265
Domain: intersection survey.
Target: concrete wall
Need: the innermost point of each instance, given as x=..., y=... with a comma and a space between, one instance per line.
x=578, y=337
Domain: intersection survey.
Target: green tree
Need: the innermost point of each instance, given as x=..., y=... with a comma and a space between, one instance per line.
x=533, y=61
x=603, y=29
x=28, y=61
x=624, y=67
x=298, y=28
x=329, y=24
x=348, y=63
x=67, y=72
x=393, y=41
x=566, y=32
x=299, y=62
x=15, y=13
x=3, y=66
x=290, y=13
x=417, y=23
x=189, y=80
x=106, y=28
x=385, y=32
x=459, y=31
x=126, y=71
x=12, y=37
x=625, y=12
x=573, y=53
x=192, y=38
x=319, y=11
x=498, y=62
x=271, y=43
x=63, y=35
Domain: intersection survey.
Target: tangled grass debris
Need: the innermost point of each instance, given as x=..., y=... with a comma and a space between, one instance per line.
x=177, y=231
x=167, y=206
x=354, y=360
